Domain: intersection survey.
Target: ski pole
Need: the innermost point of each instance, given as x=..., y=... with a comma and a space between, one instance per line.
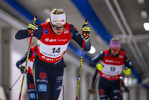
x=92, y=86
x=121, y=83
x=63, y=92
x=128, y=88
x=80, y=68
x=34, y=21
x=15, y=82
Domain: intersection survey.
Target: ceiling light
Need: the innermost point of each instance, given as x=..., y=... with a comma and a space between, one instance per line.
x=33, y=0
x=146, y=26
x=92, y=50
x=144, y=14
x=141, y=1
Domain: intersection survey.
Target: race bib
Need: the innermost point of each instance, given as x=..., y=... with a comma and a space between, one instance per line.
x=112, y=69
x=52, y=51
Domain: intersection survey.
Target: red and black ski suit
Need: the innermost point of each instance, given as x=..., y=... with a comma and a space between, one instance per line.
x=109, y=84
x=49, y=64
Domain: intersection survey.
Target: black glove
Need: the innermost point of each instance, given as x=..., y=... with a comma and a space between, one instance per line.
x=32, y=27
x=22, y=69
x=85, y=31
x=65, y=64
x=126, y=89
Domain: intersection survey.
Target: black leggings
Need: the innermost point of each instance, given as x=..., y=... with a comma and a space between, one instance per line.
x=48, y=79
x=31, y=87
x=109, y=89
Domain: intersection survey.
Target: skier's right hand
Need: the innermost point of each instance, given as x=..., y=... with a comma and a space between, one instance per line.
x=91, y=90
x=85, y=31
x=32, y=27
x=99, y=66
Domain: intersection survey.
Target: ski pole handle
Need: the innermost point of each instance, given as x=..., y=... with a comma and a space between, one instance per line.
x=35, y=18
x=32, y=26
x=85, y=30
x=86, y=21
x=84, y=36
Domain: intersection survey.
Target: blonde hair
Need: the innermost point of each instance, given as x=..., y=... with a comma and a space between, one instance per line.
x=36, y=41
x=57, y=11
x=114, y=39
x=47, y=20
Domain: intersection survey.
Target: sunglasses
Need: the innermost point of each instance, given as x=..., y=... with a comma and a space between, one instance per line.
x=58, y=28
x=115, y=49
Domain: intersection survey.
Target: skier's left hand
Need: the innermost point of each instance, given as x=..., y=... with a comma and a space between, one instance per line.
x=85, y=31
x=127, y=71
x=22, y=69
